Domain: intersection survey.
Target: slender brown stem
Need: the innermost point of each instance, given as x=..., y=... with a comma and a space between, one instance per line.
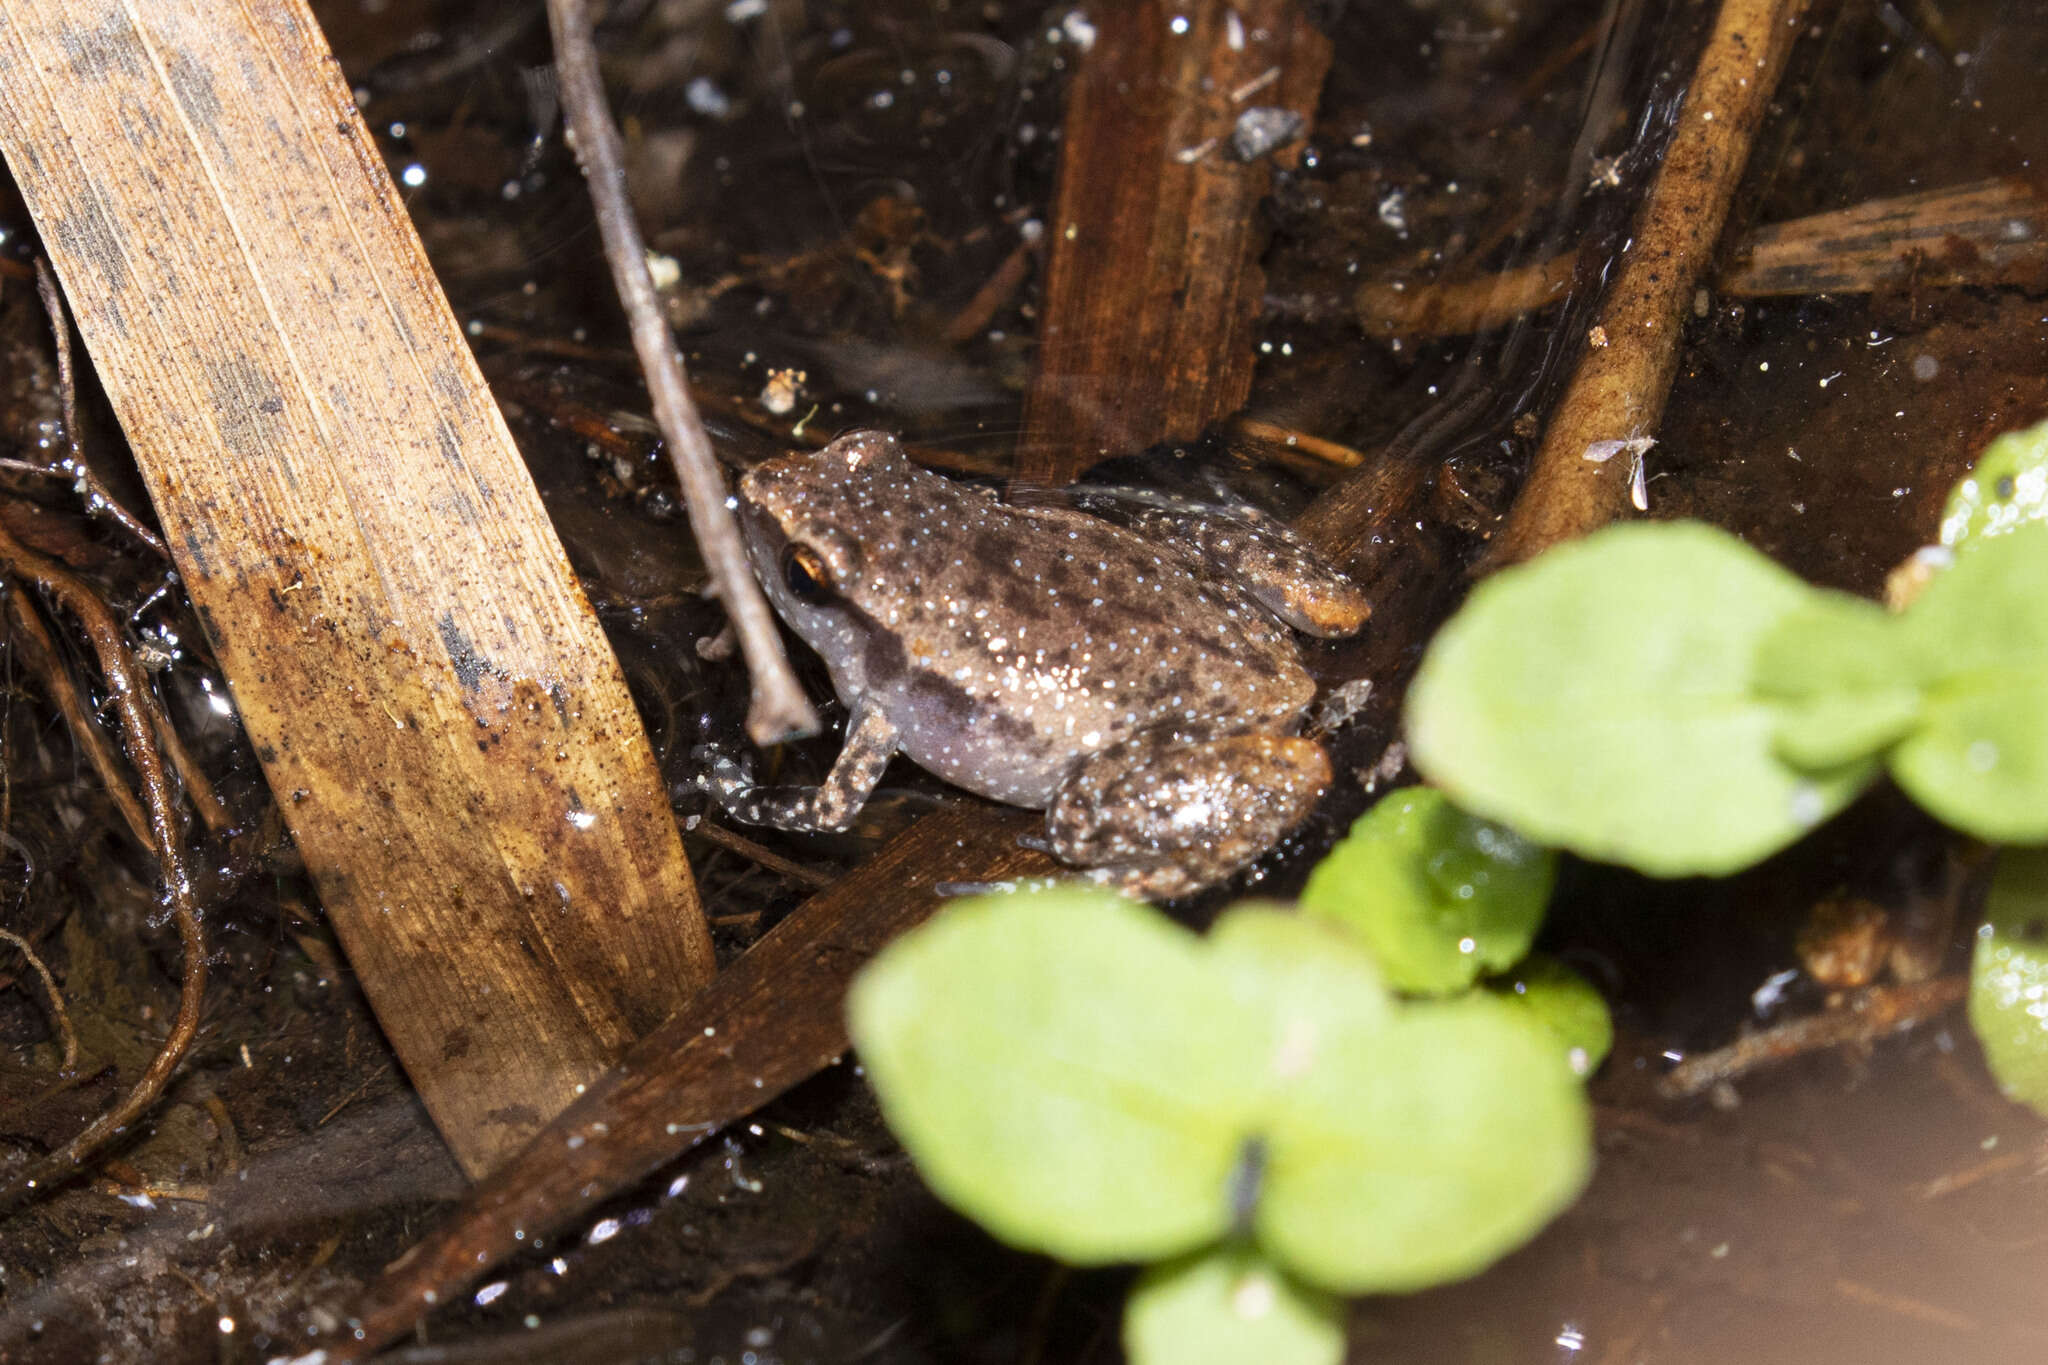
x=192, y=778
x=1623, y=379
x=101, y=503
x=779, y=710
x=771, y=1019
x=32, y=639
x=1863, y=1017
x=765, y=857
x=58, y=1013
x=98, y=500
x=140, y=720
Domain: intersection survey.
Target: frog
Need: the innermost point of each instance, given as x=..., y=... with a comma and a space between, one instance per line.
x=1140, y=683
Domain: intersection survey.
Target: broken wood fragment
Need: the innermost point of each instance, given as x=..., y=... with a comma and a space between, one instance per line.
x=1990, y=232
x=1153, y=286
x=436, y=710
x=1461, y=306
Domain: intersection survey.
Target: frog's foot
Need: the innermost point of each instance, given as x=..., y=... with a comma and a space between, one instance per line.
x=870, y=741
x=730, y=782
x=1167, y=822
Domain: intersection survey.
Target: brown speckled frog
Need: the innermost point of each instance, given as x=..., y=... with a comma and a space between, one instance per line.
x=1136, y=683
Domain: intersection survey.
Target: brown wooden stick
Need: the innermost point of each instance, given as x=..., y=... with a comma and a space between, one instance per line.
x=100, y=502
x=1458, y=307
x=779, y=710
x=1624, y=377
x=1984, y=233
x=769, y=1021
x=1153, y=286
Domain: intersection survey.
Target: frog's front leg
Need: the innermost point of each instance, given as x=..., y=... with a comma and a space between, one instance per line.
x=1166, y=820
x=870, y=744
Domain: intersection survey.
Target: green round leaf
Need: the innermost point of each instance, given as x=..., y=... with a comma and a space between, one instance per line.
x=2008, y=488
x=1979, y=638
x=1566, y=1004
x=1229, y=1307
x=1065, y=1068
x=2009, y=977
x=1599, y=699
x=1425, y=1155
x=1439, y=896
x=1300, y=980
x=1841, y=669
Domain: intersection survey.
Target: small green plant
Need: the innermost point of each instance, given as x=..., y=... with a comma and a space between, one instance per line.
x=1666, y=697
x=1254, y=1113
x=1438, y=896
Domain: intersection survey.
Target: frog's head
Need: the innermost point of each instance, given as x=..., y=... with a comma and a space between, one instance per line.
x=803, y=516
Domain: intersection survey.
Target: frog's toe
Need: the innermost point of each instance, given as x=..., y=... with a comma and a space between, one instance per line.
x=724, y=777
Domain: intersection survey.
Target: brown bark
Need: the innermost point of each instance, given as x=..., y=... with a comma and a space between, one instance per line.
x=1153, y=286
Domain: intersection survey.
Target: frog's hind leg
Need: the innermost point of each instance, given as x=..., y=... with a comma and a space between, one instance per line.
x=870, y=743
x=1167, y=822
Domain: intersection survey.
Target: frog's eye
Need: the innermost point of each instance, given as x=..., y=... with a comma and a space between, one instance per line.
x=809, y=580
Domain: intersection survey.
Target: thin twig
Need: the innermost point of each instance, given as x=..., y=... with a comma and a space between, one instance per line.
x=997, y=290
x=1863, y=1017
x=141, y=720
x=766, y=857
x=192, y=778
x=57, y=1010
x=98, y=500
x=2033, y=1160
x=1624, y=377
x=1274, y=438
x=779, y=711
x=1915, y=1310
x=32, y=639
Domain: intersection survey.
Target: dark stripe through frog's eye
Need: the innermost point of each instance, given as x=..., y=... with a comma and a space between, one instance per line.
x=803, y=569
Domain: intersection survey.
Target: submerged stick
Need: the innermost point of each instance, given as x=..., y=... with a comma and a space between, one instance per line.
x=1863, y=1017
x=1986, y=233
x=768, y=1021
x=141, y=720
x=1624, y=377
x=100, y=502
x=32, y=641
x=779, y=710
x=59, y=1015
x=97, y=499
